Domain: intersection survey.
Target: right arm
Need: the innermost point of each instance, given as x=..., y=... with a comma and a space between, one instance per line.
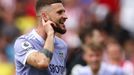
x=39, y=59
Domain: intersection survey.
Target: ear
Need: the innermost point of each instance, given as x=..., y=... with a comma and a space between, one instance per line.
x=43, y=15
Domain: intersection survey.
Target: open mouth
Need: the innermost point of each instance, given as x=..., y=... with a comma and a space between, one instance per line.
x=62, y=25
x=61, y=22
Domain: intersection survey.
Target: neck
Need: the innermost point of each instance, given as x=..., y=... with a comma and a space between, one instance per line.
x=40, y=31
x=95, y=71
x=116, y=62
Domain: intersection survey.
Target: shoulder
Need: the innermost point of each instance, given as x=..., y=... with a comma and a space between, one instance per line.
x=24, y=37
x=128, y=64
x=22, y=43
x=20, y=39
x=114, y=69
x=79, y=69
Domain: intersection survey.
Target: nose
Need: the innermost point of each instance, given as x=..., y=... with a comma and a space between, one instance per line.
x=65, y=16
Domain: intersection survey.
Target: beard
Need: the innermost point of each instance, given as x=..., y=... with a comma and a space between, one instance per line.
x=59, y=26
x=59, y=29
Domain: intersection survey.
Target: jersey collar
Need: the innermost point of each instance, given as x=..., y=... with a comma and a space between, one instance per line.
x=38, y=37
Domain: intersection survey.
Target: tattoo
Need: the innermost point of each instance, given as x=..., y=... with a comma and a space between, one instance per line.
x=38, y=60
x=34, y=58
x=47, y=53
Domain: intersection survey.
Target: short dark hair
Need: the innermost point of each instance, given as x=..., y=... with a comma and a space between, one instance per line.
x=84, y=33
x=41, y=3
x=87, y=31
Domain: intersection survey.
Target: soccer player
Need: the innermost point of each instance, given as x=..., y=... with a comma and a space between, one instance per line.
x=40, y=52
x=93, y=56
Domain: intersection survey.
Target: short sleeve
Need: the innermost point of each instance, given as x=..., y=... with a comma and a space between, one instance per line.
x=23, y=49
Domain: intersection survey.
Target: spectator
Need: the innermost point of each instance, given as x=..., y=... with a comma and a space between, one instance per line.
x=93, y=54
x=86, y=35
x=116, y=57
x=129, y=49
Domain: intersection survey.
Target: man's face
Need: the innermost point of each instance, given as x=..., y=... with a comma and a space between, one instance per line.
x=58, y=16
x=114, y=51
x=93, y=58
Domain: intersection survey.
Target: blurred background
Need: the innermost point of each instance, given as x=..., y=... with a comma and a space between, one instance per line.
x=113, y=20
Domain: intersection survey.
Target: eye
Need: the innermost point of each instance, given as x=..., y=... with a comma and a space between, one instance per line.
x=60, y=12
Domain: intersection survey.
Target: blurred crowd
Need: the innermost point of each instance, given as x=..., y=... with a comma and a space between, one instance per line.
x=104, y=28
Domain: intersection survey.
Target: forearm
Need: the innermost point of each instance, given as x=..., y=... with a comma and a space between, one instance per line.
x=38, y=60
x=49, y=42
x=49, y=46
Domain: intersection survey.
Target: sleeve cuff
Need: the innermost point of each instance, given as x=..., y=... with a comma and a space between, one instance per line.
x=28, y=53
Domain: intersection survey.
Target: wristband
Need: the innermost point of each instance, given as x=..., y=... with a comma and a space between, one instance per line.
x=47, y=53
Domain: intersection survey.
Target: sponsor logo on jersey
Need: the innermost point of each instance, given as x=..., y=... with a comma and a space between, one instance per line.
x=61, y=56
x=56, y=69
